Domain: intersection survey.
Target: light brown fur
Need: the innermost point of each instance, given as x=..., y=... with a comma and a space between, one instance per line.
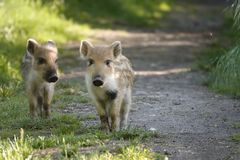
x=39, y=71
x=116, y=76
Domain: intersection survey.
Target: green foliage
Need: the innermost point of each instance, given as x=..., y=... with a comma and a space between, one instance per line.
x=222, y=59
x=208, y=60
x=236, y=15
x=24, y=18
x=227, y=74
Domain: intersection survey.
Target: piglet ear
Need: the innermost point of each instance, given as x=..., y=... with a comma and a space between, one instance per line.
x=32, y=45
x=51, y=43
x=85, y=46
x=117, y=48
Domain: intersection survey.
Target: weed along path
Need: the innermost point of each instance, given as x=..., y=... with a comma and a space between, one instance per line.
x=169, y=97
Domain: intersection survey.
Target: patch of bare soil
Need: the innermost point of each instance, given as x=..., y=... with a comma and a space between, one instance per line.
x=168, y=96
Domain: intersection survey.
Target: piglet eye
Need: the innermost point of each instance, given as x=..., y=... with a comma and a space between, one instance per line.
x=41, y=61
x=90, y=62
x=108, y=62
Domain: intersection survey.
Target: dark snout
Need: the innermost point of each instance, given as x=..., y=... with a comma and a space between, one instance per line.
x=51, y=76
x=97, y=81
x=112, y=94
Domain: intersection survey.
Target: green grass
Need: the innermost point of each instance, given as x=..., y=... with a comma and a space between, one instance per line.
x=236, y=137
x=221, y=59
x=21, y=137
x=226, y=74
x=64, y=21
x=209, y=57
x=14, y=111
x=17, y=148
x=21, y=20
x=24, y=148
x=68, y=146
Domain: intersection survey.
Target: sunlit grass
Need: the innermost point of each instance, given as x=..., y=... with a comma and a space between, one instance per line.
x=68, y=148
x=64, y=21
x=17, y=149
x=25, y=19
x=164, y=6
x=130, y=153
x=64, y=133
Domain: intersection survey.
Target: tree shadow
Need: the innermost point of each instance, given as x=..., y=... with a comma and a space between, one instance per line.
x=114, y=14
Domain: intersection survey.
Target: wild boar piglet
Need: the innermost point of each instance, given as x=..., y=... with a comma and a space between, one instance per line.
x=39, y=71
x=109, y=79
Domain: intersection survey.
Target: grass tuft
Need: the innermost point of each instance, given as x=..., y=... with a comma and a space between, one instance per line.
x=236, y=137
x=69, y=147
x=221, y=59
x=18, y=148
x=226, y=75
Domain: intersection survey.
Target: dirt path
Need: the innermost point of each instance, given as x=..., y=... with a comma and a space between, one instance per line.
x=168, y=96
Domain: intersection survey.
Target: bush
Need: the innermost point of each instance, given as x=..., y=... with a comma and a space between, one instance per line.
x=225, y=75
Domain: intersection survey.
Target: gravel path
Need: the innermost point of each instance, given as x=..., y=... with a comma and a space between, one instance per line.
x=169, y=97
